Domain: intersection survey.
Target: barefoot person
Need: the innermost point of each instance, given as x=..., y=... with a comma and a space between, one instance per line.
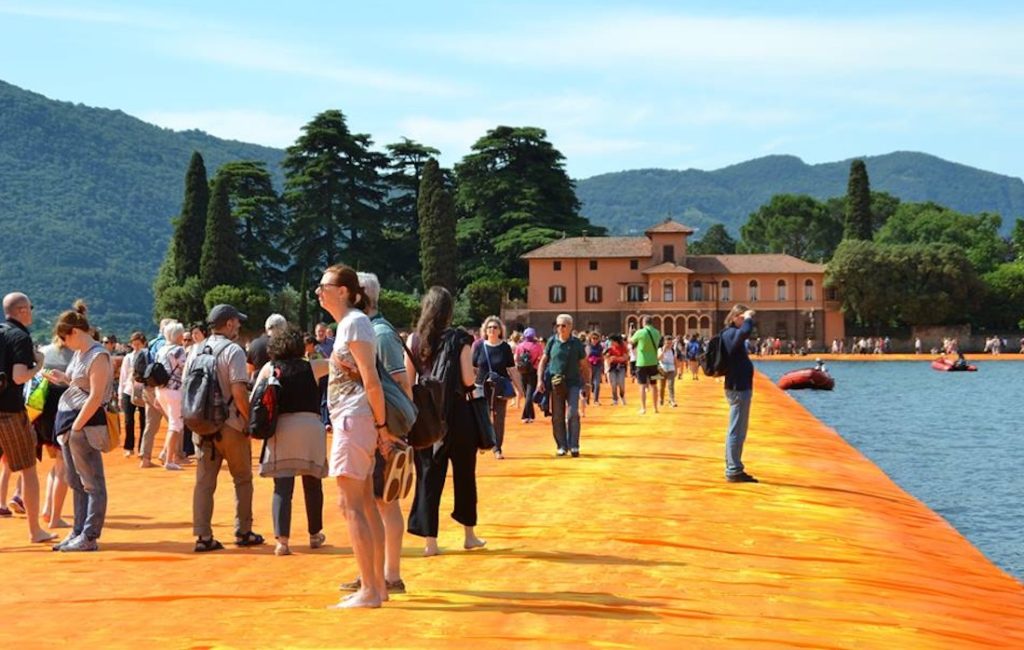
x=355, y=401
x=17, y=441
x=448, y=351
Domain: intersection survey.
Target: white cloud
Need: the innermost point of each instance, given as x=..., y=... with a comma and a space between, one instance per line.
x=782, y=45
x=257, y=127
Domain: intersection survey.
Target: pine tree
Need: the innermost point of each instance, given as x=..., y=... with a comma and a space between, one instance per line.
x=858, y=203
x=220, y=263
x=401, y=223
x=257, y=212
x=190, y=229
x=436, y=211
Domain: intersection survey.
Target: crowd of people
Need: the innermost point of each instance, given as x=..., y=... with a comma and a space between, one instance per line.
x=332, y=381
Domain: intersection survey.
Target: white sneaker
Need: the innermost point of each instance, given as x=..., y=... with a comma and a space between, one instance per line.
x=173, y=467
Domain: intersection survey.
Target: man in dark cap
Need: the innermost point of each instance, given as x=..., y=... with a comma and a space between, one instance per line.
x=229, y=443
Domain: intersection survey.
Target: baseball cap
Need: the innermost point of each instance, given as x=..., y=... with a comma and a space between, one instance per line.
x=221, y=314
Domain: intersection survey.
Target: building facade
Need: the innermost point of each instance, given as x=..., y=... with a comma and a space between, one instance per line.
x=608, y=283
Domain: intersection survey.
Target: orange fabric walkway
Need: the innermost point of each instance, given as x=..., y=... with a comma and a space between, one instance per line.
x=638, y=544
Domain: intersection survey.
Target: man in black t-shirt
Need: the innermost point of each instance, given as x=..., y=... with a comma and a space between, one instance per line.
x=257, y=354
x=17, y=440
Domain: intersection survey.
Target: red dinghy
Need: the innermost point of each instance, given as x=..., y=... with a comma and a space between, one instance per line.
x=806, y=378
x=943, y=364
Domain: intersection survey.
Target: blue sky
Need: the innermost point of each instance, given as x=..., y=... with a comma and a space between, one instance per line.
x=617, y=85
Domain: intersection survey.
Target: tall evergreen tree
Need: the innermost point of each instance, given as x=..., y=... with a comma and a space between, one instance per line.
x=515, y=195
x=401, y=231
x=190, y=228
x=858, y=203
x=259, y=217
x=716, y=241
x=220, y=264
x=437, y=229
x=334, y=195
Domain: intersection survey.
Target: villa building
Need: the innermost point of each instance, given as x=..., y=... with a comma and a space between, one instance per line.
x=608, y=283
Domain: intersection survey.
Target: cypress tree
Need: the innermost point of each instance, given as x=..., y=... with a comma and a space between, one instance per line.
x=858, y=203
x=190, y=228
x=220, y=263
x=436, y=211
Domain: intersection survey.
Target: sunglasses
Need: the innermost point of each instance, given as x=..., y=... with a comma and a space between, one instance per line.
x=561, y=325
x=320, y=287
x=493, y=327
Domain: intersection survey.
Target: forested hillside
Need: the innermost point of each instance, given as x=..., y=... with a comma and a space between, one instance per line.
x=86, y=201
x=630, y=201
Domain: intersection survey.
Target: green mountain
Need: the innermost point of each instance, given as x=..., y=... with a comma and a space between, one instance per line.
x=86, y=201
x=630, y=201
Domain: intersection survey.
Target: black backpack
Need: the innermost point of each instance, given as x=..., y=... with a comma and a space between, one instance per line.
x=428, y=394
x=204, y=406
x=155, y=375
x=524, y=363
x=139, y=364
x=715, y=360
x=264, y=406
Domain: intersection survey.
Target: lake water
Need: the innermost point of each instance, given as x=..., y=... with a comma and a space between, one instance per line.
x=952, y=439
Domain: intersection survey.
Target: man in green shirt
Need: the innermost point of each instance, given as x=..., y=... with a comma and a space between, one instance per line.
x=565, y=359
x=646, y=341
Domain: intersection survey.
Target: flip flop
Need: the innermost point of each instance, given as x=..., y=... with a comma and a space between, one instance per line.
x=398, y=473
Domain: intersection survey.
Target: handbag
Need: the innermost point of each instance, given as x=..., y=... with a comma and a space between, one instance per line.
x=503, y=388
x=399, y=411
x=37, y=397
x=485, y=437
x=113, y=416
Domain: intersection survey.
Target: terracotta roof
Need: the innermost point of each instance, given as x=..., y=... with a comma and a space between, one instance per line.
x=666, y=267
x=594, y=247
x=751, y=264
x=668, y=225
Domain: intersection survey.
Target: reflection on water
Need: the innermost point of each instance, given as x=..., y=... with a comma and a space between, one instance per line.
x=950, y=439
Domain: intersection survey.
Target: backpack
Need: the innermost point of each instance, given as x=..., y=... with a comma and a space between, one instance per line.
x=715, y=361
x=139, y=364
x=156, y=374
x=264, y=406
x=693, y=350
x=524, y=363
x=3, y=357
x=430, y=398
x=203, y=405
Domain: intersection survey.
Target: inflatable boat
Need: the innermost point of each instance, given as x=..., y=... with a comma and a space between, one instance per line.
x=945, y=365
x=806, y=378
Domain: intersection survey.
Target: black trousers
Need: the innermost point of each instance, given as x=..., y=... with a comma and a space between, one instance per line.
x=431, y=472
x=129, y=410
x=281, y=505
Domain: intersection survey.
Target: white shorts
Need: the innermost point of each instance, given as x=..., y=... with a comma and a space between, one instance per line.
x=170, y=404
x=354, y=442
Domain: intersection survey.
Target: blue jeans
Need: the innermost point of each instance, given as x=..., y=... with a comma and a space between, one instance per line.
x=739, y=418
x=595, y=383
x=84, y=473
x=617, y=379
x=565, y=422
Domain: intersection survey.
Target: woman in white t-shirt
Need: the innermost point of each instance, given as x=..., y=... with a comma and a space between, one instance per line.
x=355, y=401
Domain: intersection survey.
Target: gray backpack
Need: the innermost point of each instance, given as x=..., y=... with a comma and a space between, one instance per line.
x=203, y=405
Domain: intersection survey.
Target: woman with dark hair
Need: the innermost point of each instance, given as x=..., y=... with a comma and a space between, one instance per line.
x=56, y=356
x=299, y=444
x=355, y=401
x=88, y=378
x=448, y=352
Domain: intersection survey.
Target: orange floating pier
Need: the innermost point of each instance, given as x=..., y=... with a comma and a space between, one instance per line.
x=637, y=544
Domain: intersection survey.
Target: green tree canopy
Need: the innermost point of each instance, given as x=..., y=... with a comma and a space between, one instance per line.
x=437, y=230
x=912, y=284
x=716, y=241
x=513, y=195
x=334, y=195
x=794, y=224
x=259, y=216
x=190, y=229
x=221, y=264
x=401, y=232
x=923, y=223
x=858, y=203
x=254, y=302
x=1004, y=293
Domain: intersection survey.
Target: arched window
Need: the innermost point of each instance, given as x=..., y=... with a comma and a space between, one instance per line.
x=808, y=290
x=752, y=291
x=705, y=326
x=697, y=291
x=781, y=290
x=691, y=324
x=726, y=291
x=681, y=325
x=668, y=291
x=668, y=329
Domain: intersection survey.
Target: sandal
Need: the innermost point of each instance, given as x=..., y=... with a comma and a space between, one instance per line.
x=249, y=539
x=17, y=505
x=205, y=545
x=398, y=474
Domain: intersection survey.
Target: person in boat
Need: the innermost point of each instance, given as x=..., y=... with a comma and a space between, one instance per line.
x=960, y=362
x=820, y=365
